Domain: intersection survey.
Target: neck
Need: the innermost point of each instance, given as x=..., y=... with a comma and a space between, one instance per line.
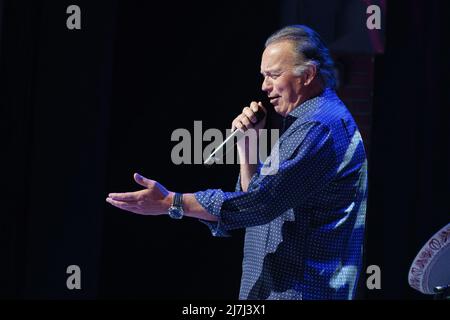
x=314, y=89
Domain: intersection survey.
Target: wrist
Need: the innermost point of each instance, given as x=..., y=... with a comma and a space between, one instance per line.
x=248, y=155
x=175, y=209
x=168, y=200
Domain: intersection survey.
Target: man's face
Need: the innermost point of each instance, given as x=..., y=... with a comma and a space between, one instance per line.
x=283, y=88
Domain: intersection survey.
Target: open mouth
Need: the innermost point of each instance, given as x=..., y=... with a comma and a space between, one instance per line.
x=274, y=100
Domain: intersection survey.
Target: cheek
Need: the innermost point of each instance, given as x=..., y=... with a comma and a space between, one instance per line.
x=284, y=90
x=280, y=87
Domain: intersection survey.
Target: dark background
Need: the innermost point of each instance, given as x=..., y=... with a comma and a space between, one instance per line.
x=82, y=110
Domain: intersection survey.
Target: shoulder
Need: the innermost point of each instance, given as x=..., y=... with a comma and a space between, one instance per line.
x=334, y=115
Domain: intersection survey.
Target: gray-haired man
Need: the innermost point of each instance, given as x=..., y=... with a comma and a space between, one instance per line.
x=304, y=224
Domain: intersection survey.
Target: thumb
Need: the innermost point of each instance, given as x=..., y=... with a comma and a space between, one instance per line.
x=262, y=107
x=142, y=180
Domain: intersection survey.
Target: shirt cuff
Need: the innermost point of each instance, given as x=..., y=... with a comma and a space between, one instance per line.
x=212, y=200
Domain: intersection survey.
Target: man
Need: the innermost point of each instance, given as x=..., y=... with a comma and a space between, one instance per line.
x=305, y=223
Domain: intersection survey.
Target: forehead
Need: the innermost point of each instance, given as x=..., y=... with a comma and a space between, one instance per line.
x=277, y=56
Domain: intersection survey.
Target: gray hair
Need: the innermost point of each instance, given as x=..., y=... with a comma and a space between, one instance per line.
x=310, y=50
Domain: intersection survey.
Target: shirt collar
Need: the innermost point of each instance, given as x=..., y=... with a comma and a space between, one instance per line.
x=306, y=108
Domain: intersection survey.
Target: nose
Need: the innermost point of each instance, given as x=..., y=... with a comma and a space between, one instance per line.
x=266, y=85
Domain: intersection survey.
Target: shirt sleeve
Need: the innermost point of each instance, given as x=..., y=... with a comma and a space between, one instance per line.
x=307, y=163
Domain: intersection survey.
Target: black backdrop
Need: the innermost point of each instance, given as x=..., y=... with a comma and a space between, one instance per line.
x=81, y=111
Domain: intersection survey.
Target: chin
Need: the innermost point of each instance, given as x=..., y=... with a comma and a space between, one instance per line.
x=279, y=110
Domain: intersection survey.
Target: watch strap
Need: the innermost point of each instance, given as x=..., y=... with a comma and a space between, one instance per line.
x=177, y=200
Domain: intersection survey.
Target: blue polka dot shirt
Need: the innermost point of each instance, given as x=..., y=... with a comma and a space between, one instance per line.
x=305, y=221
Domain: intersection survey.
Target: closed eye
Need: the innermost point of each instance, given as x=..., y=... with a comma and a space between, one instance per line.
x=271, y=75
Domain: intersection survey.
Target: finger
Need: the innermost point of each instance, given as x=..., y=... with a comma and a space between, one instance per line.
x=233, y=124
x=246, y=122
x=237, y=125
x=125, y=196
x=250, y=114
x=261, y=105
x=143, y=181
x=254, y=106
x=122, y=205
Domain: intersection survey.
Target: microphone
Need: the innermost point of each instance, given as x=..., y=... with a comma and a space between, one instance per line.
x=238, y=134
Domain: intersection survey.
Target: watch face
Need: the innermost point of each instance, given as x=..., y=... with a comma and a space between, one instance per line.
x=175, y=213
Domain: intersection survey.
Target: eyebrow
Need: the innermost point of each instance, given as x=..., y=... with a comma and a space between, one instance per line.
x=274, y=71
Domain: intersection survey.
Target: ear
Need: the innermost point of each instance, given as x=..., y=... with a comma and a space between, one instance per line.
x=309, y=74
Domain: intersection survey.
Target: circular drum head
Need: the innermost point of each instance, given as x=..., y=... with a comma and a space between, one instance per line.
x=431, y=267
